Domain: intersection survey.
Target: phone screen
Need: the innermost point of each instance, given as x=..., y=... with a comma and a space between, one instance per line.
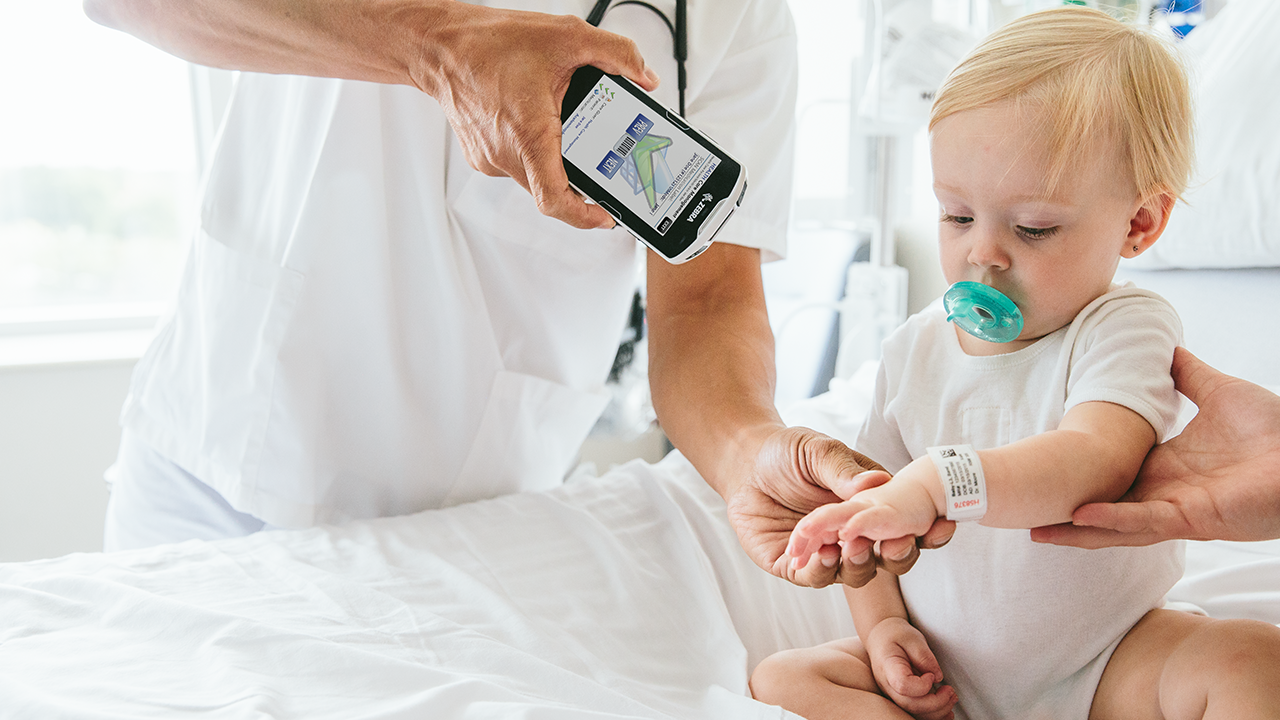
x=635, y=154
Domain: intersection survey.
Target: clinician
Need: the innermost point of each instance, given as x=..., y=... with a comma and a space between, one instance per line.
x=377, y=318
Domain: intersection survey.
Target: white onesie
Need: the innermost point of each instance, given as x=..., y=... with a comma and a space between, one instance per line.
x=1023, y=631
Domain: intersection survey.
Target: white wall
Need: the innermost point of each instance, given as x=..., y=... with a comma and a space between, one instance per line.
x=58, y=433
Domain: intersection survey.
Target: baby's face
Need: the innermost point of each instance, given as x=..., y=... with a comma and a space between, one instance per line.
x=1050, y=255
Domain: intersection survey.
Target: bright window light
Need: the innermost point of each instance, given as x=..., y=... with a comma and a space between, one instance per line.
x=97, y=164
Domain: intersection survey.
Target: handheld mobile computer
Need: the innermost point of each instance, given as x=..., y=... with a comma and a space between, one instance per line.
x=663, y=181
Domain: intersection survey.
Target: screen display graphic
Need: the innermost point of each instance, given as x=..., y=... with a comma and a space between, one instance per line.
x=635, y=154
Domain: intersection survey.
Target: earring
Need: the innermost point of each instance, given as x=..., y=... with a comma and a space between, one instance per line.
x=1135, y=248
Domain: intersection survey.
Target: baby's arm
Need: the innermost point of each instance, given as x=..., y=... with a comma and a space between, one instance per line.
x=1093, y=456
x=904, y=667
x=887, y=673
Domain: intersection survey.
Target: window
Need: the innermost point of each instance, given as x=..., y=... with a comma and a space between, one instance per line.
x=97, y=168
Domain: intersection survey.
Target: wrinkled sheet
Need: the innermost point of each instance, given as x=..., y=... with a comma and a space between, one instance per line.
x=611, y=597
x=622, y=596
x=1232, y=580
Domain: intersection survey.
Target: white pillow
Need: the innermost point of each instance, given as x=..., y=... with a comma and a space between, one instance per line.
x=1232, y=215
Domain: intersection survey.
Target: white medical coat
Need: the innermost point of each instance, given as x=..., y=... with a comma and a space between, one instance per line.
x=368, y=327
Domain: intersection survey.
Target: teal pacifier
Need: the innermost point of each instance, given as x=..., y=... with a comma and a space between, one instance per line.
x=983, y=311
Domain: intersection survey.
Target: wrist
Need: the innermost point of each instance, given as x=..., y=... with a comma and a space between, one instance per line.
x=434, y=35
x=923, y=475
x=401, y=42
x=964, y=488
x=882, y=633
x=748, y=447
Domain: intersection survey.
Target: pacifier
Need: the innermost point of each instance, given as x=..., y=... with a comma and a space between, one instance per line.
x=983, y=311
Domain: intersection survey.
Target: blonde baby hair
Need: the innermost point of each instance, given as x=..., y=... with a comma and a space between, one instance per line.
x=1092, y=78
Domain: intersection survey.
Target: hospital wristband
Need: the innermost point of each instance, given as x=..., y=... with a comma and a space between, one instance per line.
x=962, y=480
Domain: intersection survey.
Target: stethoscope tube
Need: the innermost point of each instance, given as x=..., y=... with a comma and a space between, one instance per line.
x=680, y=50
x=679, y=33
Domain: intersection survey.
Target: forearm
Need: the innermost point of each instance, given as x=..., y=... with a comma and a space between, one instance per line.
x=1093, y=456
x=877, y=600
x=1043, y=479
x=711, y=360
x=375, y=40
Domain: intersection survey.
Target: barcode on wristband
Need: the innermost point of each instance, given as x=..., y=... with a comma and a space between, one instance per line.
x=962, y=480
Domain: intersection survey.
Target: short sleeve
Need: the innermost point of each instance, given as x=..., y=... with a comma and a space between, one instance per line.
x=747, y=106
x=1122, y=353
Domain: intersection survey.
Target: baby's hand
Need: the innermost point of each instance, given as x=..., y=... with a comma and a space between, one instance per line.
x=899, y=508
x=907, y=671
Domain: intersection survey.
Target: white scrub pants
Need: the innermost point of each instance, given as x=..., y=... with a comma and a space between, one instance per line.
x=153, y=502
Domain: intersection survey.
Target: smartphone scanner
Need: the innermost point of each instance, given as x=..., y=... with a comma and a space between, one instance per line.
x=669, y=185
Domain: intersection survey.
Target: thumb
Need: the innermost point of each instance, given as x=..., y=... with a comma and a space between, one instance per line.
x=862, y=481
x=832, y=464
x=549, y=185
x=922, y=658
x=1194, y=377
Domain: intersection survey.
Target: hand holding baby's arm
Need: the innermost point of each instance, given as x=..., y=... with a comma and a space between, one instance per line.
x=907, y=505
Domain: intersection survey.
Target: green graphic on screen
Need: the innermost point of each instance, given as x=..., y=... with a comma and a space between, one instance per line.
x=646, y=170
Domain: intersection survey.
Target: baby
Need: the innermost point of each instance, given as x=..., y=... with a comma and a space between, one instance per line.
x=1059, y=146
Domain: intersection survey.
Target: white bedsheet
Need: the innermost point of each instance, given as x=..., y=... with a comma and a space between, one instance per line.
x=612, y=597
x=624, y=596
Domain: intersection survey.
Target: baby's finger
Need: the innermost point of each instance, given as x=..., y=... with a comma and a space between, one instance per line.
x=818, y=528
x=914, y=686
x=903, y=680
x=802, y=548
x=878, y=522
x=922, y=657
x=937, y=705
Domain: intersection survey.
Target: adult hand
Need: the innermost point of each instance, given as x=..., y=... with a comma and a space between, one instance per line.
x=711, y=373
x=501, y=75
x=899, y=554
x=1219, y=479
x=796, y=471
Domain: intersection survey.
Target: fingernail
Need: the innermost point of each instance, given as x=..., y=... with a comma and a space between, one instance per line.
x=795, y=563
x=829, y=561
x=861, y=557
x=651, y=75
x=901, y=554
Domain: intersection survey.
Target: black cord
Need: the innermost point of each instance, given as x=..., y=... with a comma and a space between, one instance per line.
x=680, y=50
x=679, y=33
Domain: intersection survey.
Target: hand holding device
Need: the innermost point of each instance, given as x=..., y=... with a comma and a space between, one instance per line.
x=510, y=134
x=666, y=183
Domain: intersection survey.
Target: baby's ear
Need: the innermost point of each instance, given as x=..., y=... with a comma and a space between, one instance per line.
x=1147, y=223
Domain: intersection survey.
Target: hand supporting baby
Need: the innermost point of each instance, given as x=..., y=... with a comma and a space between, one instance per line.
x=907, y=505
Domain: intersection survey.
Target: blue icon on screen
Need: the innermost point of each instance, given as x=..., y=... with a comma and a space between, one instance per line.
x=640, y=127
x=610, y=164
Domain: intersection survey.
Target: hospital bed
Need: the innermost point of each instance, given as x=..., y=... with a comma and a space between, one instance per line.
x=619, y=596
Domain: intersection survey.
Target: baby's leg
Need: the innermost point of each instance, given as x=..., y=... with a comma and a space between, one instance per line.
x=829, y=681
x=1178, y=666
